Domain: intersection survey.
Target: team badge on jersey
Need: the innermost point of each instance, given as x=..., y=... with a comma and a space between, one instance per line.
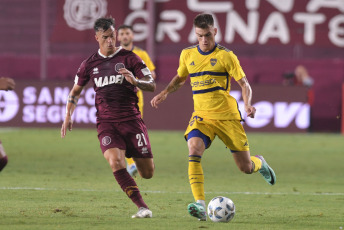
x=106, y=140
x=213, y=61
x=119, y=66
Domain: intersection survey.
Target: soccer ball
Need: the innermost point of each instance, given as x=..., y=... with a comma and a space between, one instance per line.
x=221, y=209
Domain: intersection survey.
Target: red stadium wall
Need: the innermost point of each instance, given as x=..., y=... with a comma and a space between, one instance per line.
x=269, y=37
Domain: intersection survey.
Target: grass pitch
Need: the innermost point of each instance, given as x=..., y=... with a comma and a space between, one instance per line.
x=54, y=183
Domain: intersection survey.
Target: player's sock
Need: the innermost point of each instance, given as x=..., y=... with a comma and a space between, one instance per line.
x=202, y=202
x=130, y=161
x=3, y=162
x=130, y=187
x=256, y=163
x=196, y=177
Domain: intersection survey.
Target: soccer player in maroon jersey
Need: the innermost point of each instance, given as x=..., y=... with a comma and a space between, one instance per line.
x=125, y=36
x=6, y=83
x=115, y=73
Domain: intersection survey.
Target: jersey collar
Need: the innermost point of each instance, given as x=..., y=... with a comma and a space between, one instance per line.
x=206, y=53
x=102, y=55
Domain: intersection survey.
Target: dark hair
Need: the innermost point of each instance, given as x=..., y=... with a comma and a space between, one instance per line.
x=125, y=27
x=103, y=24
x=203, y=21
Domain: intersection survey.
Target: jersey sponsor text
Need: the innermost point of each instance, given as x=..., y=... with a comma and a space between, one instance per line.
x=113, y=79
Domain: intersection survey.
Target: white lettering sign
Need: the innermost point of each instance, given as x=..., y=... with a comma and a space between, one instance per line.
x=278, y=24
x=9, y=105
x=280, y=114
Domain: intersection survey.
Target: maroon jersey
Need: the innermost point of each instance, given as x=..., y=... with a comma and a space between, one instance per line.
x=116, y=98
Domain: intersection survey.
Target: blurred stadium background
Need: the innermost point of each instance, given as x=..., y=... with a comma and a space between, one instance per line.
x=43, y=42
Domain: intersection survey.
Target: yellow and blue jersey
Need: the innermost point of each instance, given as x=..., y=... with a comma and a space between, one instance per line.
x=210, y=74
x=145, y=57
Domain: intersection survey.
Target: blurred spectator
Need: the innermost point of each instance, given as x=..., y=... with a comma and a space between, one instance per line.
x=5, y=84
x=302, y=77
x=299, y=77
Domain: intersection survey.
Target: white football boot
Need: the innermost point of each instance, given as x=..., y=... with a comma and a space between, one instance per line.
x=143, y=213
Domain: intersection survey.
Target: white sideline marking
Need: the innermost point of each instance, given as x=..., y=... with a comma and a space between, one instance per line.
x=243, y=193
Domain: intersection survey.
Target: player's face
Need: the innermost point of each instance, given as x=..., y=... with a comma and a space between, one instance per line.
x=107, y=41
x=125, y=36
x=206, y=38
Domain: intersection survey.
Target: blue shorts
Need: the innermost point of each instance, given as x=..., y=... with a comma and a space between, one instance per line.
x=197, y=133
x=230, y=132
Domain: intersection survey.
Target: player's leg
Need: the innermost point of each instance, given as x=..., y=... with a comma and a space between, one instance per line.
x=250, y=164
x=245, y=163
x=112, y=143
x=145, y=167
x=196, y=147
x=199, y=135
x=233, y=135
x=139, y=147
x=131, y=166
x=116, y=159
x=3, y=157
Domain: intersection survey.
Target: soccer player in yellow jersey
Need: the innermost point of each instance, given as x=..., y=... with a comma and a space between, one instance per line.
x=126, y=38
x=211, y=68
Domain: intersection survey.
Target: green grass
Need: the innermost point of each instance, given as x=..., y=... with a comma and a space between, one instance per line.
x=54, y=183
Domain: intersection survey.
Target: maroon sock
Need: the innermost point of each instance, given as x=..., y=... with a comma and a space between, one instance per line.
x=3, y=162
x=130, y=187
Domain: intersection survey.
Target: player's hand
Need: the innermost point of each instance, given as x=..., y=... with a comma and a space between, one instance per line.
x=67, y=124
x=250, y=111
x=158, y=99
x=128, y=76
x=7, y=83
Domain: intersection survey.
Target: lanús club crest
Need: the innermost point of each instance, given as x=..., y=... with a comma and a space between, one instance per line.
x=82, y=14
x=119, y=66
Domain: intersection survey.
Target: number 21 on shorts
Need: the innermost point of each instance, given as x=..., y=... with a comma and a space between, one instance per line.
x=141, y=139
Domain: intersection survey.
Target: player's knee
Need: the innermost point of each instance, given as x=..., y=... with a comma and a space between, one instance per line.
x=115, y=163
x=195, y=150
x=147, y=174
x=145, y=167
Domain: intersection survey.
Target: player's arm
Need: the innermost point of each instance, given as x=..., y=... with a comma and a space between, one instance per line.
x=153, y=74
x=72, y=101
x=146, y=83
x=148, y=61
x=247, y=96
x=7, y=83
x=173, y=86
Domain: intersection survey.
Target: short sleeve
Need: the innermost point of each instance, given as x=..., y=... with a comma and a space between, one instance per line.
x=182, y=69
x=233, y=66
x=81, y=77
x=137, y=66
